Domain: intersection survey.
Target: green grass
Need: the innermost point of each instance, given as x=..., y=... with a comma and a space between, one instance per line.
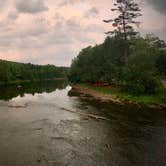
x=142, y=99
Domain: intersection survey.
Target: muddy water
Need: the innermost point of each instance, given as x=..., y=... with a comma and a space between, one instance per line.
x=48, y=124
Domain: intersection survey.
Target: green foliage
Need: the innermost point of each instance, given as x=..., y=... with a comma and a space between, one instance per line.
x=140, y=75
x=125, y=96
x=4, y=72
x=161, y=63
x=15, y=72
x=99, y=63
x=105, y=64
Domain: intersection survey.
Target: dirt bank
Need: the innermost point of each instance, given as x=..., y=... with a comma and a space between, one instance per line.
x=112, y=98
x=96, y=94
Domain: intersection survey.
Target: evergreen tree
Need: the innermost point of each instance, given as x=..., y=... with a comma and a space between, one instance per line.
x=124, y=22
x=129, y=11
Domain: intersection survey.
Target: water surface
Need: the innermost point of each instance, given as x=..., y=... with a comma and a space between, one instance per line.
x=35, y=129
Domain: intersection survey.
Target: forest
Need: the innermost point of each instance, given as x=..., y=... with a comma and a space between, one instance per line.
x=126, y=60
x=13, y=72
x=104, y=63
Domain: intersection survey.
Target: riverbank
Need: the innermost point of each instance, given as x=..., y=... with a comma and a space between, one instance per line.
x=18, y=82
x=114, y=95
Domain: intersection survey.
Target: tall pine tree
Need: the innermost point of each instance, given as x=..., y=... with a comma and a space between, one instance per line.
x=124, y=23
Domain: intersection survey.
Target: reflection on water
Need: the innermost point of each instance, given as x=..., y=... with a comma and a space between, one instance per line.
x=47, y=124
x=8, y=92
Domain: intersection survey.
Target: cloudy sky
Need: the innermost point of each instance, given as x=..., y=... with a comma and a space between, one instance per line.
x=54, y=31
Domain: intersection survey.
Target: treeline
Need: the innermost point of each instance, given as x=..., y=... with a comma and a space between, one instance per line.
x=11, y=72
x=105, y=63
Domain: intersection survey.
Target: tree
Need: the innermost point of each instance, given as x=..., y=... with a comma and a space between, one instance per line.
x=104, y=64
x=125, y=21
x=4, y=72
x=129, y=11
x=15, y=72
x=155, y=41
x=140, y=75
x=161, y=63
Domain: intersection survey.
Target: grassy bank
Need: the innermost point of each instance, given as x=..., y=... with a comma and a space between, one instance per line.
x=155, y=99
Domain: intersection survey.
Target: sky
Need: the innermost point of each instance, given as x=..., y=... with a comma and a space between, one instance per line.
x=54, y=31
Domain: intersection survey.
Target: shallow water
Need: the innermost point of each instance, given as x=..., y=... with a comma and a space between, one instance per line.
x=48, y=124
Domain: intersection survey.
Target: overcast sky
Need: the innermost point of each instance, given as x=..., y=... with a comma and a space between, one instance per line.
x=54, y=31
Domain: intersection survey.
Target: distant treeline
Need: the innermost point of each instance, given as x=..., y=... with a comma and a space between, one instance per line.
x=13, y=72
x=105, y=63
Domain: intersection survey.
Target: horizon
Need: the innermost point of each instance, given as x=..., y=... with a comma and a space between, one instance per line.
x=47, y=32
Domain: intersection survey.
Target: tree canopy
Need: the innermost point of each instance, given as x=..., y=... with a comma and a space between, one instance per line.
x=104, y=64
x=12, y=72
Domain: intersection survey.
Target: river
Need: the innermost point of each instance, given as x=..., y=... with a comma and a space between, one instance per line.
x=47, y=124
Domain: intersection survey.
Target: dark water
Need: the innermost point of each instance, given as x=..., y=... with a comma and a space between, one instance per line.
x=47, y=124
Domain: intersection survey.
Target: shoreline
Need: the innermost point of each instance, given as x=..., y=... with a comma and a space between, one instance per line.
x=17, y=82
x=98, y=94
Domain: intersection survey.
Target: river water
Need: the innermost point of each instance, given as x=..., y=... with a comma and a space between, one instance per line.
x=47, y=124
